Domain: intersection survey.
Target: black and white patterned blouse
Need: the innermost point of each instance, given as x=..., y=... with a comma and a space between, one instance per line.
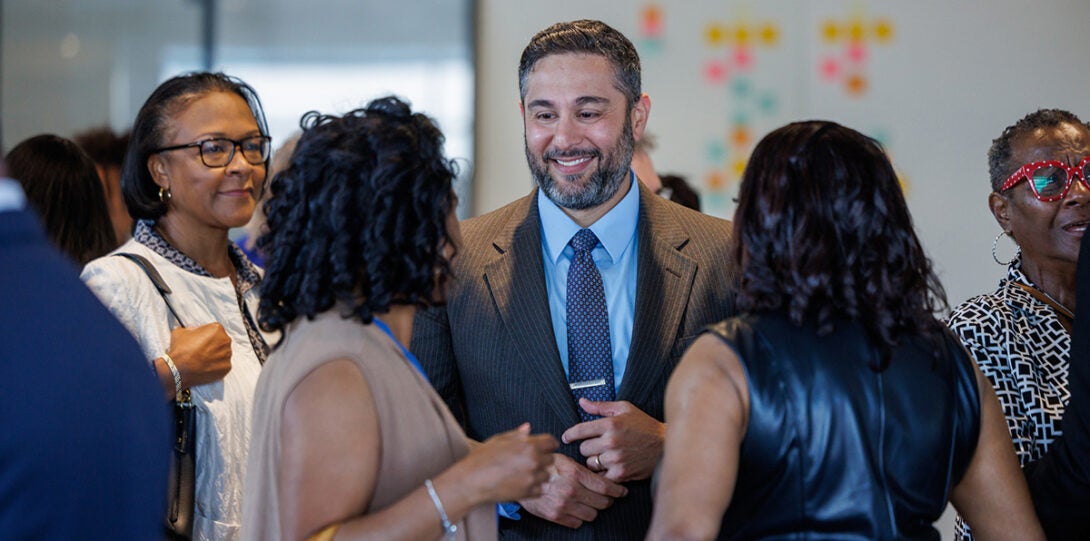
x=1022, y=347
x=247, y=277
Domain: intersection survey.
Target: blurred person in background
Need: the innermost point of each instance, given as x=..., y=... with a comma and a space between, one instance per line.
x=256, y=226
x=107, y=149
x=672, y=187
x=63, y=187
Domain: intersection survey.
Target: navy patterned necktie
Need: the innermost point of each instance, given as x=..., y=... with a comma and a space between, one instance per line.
x=590, y=355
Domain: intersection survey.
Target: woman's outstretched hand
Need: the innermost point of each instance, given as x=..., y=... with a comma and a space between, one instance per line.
x=508, y=466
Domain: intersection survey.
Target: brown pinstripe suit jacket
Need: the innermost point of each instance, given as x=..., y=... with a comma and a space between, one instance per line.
x=492, y=355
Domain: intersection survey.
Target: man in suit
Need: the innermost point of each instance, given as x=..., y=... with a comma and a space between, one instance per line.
x=86, y=433
x=521, y=337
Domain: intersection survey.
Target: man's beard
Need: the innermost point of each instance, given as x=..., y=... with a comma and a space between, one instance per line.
x=613, y=168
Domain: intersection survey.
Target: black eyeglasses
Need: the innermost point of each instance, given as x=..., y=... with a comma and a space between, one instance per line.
x=219, y=152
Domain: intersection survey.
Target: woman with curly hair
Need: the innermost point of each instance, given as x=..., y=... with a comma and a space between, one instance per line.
x=349, y=437
x=835, y=405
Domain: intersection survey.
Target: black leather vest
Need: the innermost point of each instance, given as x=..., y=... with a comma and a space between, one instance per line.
x=837, y=450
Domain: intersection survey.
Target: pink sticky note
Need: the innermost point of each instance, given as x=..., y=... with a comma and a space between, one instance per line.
x=743, y=58
x=829, y=68
x=715, y=71
x=857, y=52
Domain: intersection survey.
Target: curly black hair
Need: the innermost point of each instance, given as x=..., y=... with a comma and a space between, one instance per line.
x=999, y=154
x=824, y=234
x=358, y=217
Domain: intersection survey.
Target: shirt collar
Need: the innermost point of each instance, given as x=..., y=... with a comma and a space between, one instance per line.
x=615, y=230
x=145, y=234
x=11, y=195
x=1015, y=273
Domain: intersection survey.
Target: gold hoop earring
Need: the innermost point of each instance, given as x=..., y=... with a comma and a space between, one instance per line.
x=164, y=194
x=995, y=248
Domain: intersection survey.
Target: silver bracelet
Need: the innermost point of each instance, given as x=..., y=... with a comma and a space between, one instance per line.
x=177, y=377
x=450, y=530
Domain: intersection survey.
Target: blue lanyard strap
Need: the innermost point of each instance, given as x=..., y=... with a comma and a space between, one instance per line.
x=408, y=354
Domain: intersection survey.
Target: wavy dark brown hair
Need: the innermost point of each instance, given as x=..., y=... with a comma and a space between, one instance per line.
x=824, y=234
x=62, y=185
x=359, y=216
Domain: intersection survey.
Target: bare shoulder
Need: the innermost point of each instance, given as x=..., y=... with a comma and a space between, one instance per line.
x=709, y=355
x=333, y=386
x=709, y=368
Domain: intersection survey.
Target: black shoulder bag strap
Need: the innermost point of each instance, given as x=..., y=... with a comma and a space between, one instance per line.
x=157, y=279
x=181, y=484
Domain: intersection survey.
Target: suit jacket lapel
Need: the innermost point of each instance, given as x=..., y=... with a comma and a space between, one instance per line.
x=666, y=278
x=516, y=280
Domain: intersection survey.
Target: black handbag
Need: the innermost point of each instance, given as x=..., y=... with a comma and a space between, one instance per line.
x=183, y=464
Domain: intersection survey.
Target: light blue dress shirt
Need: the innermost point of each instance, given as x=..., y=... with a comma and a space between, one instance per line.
x=615, y=257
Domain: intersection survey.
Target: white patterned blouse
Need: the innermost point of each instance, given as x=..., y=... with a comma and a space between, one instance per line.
x=224, y=408
x=1022, y=347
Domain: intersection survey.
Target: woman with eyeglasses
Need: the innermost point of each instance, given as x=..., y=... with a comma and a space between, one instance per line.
x=1020, y=335
x=194, y=169
x=836, y=405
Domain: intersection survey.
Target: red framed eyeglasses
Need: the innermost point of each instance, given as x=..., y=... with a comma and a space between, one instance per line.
x=1050, y=180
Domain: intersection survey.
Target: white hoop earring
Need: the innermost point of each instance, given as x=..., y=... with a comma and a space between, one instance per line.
x=995, y=248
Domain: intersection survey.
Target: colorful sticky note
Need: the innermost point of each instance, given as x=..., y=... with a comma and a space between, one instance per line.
x=715, y=181
x=830, y=68
x=714, y=34
x=651, y=46
x=743, y=58
x=739, y=167
x=715, y=71
x=883, y=30
x=652, y=20
x=716, y=152
x=830, y=31
x=856, y=30
x=855, y=84
x=857, y=53
x=768, y=103
x=741, y=87
x=742, y=34
x=770, y=35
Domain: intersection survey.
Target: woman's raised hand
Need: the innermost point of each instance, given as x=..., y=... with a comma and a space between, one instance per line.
x=201, y=354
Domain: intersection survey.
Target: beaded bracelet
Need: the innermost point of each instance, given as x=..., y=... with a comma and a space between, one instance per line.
x=450, y=530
